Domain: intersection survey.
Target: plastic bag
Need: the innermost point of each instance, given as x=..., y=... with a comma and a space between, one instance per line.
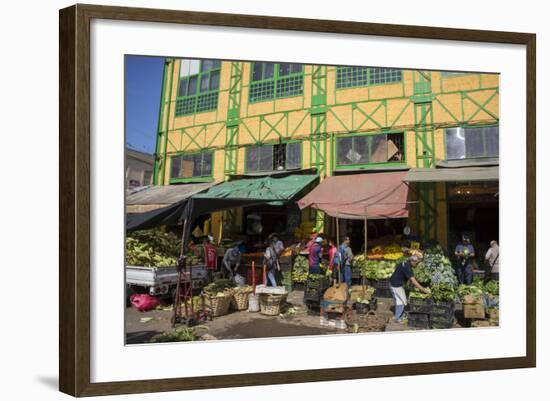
x=144, y=302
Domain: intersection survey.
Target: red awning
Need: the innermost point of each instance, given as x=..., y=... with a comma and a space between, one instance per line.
x=381, y=195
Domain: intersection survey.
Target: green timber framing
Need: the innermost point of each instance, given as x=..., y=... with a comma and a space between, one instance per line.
x=410, y=109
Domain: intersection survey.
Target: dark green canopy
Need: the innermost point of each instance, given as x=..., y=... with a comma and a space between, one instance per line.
x=268, y=189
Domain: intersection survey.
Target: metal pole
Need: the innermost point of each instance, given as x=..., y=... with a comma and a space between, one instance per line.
x=337, y=232
x=366, y=231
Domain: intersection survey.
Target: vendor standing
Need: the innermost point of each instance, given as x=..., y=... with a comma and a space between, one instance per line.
x=232, y=260
x=404, y=273
x=347, y=256
x=465, y=254
x=315, y=255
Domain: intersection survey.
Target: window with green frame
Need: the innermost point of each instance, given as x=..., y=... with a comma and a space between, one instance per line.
x=198, y=87
x=351, y=77
x=370, y=149
x=276, y=157
x=192, y=165
x=270, y=81
x=471, y=142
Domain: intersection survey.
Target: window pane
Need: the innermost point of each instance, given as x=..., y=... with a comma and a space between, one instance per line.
x=175, y=167
x=183, y=87
x=257, y=72
x=214, y=80
x=184, y=68
x=293, y=155
x=187, y=166
x=204, y=83
x=192, y=89
x=379, y=146
x=474, y=142
x=268, y=70
x=491, y=141
x=197, y=165
x=295, y=68
x=216, y=64
x=207, y=164
x=284, y=69
x=207, y=65
x=194, y=66
x=252, y=155
x=266, y=158
x=360, y=151
x=456, y=145
x=343, y=149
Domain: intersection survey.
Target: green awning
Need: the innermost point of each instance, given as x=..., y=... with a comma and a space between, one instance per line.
x=461, y=174
x=268, y=189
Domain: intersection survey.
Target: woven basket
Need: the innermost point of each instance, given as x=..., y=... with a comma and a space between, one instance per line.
x=239, y=300
x=366, y=323
x=218, y=306
x=271, y=304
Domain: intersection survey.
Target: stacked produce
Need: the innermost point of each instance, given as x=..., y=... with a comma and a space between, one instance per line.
x=152, y=248
x=492, y=288
x=388, y=252
x=438, y=267
x=300, y=270
x=304, y=230
x=367, y=295
x=473, y=291
x=219, y=287
x=373, y=269
x=443, y=292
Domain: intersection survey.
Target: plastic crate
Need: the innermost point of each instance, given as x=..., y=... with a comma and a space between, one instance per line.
x=441, y=321
x=297, y=286
x=383, y=293
x=443, y=307
x=322, y=283
x=418, y=305
x=382, y=284
x=419, y=320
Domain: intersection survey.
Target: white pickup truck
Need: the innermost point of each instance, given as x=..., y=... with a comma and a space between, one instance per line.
x=162, y=281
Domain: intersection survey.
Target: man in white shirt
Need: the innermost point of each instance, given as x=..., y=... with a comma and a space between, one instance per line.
x=492, y=261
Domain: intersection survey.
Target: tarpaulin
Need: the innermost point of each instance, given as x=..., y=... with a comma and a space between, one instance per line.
x=374, y=195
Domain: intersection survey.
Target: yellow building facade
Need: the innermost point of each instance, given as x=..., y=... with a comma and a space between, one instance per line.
x=220, y=119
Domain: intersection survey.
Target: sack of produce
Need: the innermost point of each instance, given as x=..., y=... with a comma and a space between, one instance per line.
x=144, y=302
x=338, y=293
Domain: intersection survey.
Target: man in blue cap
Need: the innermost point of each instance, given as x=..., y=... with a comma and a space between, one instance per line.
x=315, y=254
x=465, y=255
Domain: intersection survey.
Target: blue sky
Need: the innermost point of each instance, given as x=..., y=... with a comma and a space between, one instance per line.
x=143, y=81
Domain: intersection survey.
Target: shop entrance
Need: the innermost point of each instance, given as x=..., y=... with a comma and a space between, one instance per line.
x=473, y=209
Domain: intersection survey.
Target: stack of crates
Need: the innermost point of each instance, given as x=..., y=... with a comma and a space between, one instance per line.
x=419, y=313
x=383, y=289
x=442, y=315
x=314, y=290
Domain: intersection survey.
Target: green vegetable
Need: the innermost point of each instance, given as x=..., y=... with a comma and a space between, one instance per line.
x=492, y=287
x=300, y=269
x=152, y=248
x=443, y=292
x=218, y=286
x=472, y=290
x=177, y=335
x=418, y=294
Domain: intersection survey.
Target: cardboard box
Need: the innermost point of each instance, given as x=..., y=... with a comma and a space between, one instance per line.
x=474, y=311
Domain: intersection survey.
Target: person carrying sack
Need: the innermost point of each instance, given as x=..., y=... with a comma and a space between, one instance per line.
x=492, y=262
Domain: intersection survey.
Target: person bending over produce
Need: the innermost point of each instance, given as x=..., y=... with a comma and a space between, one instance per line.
x=403, y=273
x=347, y=256
x=465, y=254
x=315, y=254
x=232, y=260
